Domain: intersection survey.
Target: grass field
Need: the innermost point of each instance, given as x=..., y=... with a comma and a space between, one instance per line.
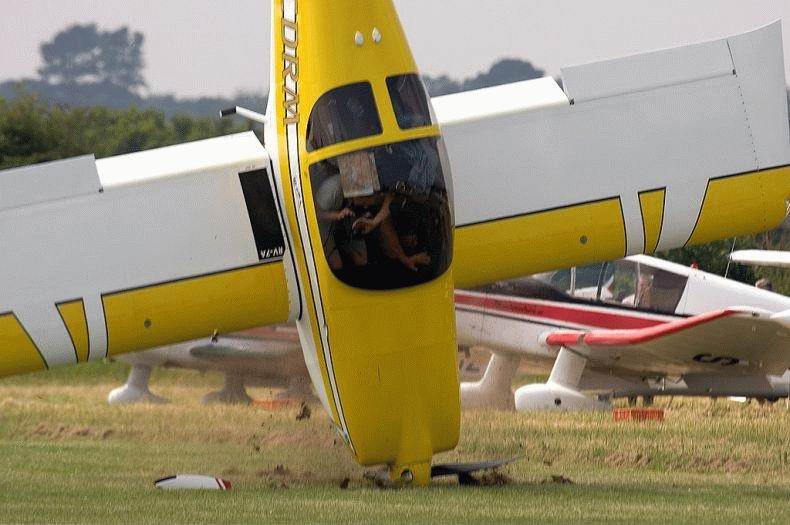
x=66, y=456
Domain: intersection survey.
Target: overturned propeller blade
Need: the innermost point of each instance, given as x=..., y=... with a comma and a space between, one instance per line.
x=464, y=471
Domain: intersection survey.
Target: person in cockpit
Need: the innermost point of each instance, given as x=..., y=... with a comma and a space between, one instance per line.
x=331, y=216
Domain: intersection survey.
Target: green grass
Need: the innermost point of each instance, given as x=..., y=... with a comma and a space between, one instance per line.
x=68, y=457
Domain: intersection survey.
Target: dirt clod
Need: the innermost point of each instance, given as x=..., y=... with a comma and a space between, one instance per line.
x=559, y=479
x=494, y=478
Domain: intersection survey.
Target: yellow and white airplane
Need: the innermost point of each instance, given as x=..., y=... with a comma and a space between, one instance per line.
x=347, y=220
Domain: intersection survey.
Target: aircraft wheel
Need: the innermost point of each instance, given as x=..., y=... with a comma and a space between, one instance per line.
x=136, y=388
x=233, y=393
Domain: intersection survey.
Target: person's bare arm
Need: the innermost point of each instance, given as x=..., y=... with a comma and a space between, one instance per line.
x=335, y=215
x=366, y=225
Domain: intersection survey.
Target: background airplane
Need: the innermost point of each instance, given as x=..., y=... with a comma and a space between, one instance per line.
x=270, y=357
x=735, y=337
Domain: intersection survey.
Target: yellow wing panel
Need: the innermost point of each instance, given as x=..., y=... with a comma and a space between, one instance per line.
x=652, y=206
x=178, y=311
x=18, y=352
x=560, y=238
x=73, y=315
x=745, y=197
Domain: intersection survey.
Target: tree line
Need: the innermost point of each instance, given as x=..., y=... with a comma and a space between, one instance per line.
x=33, y=131
x=84, y=65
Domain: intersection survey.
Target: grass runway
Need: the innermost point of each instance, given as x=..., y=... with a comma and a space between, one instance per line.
x=66, y=456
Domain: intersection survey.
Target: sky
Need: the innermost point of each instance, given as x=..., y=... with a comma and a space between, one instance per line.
x=207, y=47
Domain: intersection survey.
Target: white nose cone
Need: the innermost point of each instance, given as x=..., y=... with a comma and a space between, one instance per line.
x=191, y=481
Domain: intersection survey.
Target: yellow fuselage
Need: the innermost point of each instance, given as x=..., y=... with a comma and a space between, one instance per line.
x=387, y=357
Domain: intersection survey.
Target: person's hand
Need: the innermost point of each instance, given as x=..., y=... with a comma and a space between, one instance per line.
x=342, y=214
x=418, y=259
x=364, y=225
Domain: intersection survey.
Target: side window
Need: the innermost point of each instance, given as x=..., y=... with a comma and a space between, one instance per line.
x=342, y=114
x=620, y=283
x=586, y=282
x=409, y=101
x=641, y=286
x=662, y=290
x=561, y=280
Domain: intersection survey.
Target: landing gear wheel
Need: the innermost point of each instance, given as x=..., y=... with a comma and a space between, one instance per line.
x=233, y=393
x=136, y=389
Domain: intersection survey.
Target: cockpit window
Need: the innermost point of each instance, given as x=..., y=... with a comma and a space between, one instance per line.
x=585, y=281
x=580, y=282
x=629, y=283
x=383, y=214
x=344, y=113
x=409, y=101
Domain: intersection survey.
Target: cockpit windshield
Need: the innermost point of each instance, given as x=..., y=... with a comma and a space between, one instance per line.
x=629, y=283
x=343, y=114
x=409, y=101
x=383, y=214
x=625, y=283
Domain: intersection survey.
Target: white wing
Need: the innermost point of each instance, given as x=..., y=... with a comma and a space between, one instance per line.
x=762, y=258
x=639, y=154
x=735, y=341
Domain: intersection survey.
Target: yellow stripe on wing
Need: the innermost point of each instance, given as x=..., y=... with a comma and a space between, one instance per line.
x=651, y=204
x=742, y=205
x=187, y=309
x=558, y=238
x=18, y=352
x=73, y=315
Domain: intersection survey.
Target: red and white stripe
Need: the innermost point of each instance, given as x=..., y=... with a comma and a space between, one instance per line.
x=572, y=315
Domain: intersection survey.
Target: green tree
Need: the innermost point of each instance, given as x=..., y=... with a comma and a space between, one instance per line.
x=33, y=131
x=82, y=54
